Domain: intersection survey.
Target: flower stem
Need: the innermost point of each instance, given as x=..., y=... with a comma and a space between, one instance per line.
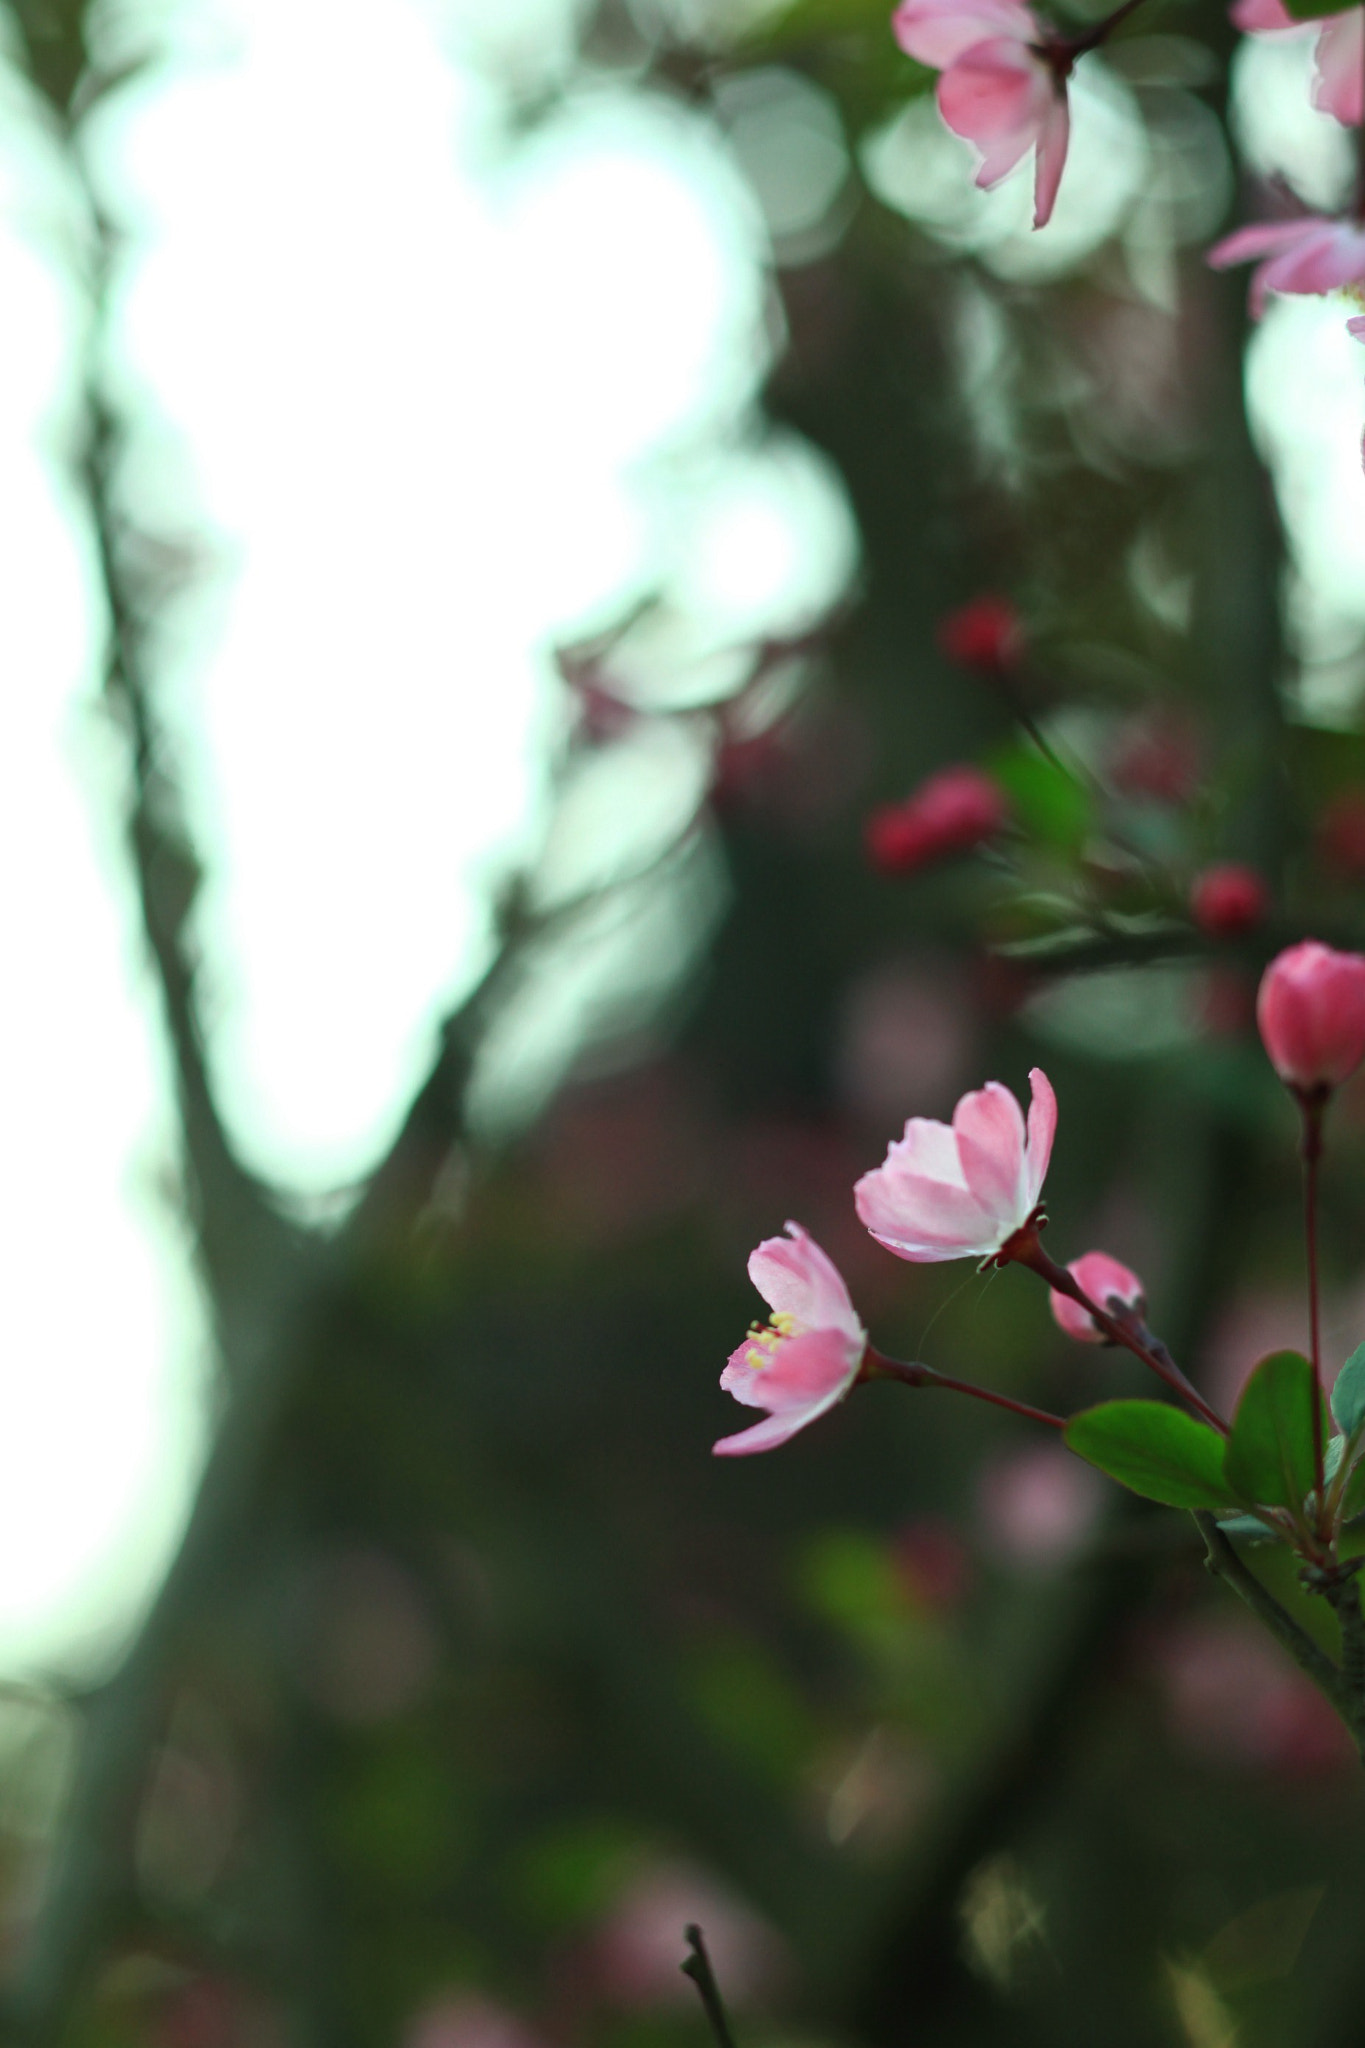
x=877, y=1366
x=698, y=1968
x=1077, y=46
x=1312, y=1104
x=1023, y=1249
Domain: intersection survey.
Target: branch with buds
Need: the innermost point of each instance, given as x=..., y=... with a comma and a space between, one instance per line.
x=1283, y=1468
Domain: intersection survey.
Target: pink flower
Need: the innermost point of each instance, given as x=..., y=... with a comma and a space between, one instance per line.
x=985, y=633
x=1003, y=85
x=1311, y=1011
x=960, y=1190
x=1337, y=87
x=1308, y=255
x=1228, y=899
x=1105, y=1281
x=952, y=812
x=809, y=1355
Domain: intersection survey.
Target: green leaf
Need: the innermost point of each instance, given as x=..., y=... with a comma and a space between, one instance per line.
x=1353, y=1500
x=1311, y=10
x=1048, y=802
x=1348, y=1395
x=1270, y=1451
x=1155, y=1450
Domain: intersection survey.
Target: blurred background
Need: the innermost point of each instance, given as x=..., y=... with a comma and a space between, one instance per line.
x=490, y=488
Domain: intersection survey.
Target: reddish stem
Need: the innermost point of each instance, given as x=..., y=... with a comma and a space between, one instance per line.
x=877, y=1366
x=1024, y=1249
x=1312, y=1105
x=1077, y=46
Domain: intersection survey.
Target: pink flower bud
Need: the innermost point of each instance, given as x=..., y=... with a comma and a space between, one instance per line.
x=1228, y=900
x=1311, y=1013
x=984, y=634
x=955, y=810
x=1105, y=1281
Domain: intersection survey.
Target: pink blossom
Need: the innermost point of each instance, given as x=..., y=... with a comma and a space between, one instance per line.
x=952, y=811
x=1311, y=1011
x=1039, y=1505
x=1104, y=1280
x=1337, y=85
x=809, y=1355
x=986, y=633
x=1003, y=85
x=1228, y=899
x=960, y=1190
x=1308, y=255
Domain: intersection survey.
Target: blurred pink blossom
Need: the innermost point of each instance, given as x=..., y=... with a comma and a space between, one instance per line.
x=1039, y=1505
x=986, y=633
x=905, y=1036
x=960, y=1190
x=1233, y=1698
x=467, y=2020
x=1228, y=899
x=1103, y=1279
x=1309, y=255
x=809, y=1355
x=954, y=810
x=1003, y=85
x=1337, y=85
x=932, y=1562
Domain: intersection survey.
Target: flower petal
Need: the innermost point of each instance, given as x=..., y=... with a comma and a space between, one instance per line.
x=924, y=1220
x=817, y=1366
x=936, y=32
x=990, y=1140
x=763, y=1436
x=1334, y=258
x=1042, y=1129
x=997, y=95
x=1263, y=17
x=795, y=1277
x=1339, y=87
x=1051, y=160
x=1260, y=239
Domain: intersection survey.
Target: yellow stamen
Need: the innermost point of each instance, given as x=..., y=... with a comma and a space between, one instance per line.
x=767, y=1338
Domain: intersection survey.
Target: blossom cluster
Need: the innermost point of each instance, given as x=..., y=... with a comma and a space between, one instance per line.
x=1002, y=86
x=973, y=1189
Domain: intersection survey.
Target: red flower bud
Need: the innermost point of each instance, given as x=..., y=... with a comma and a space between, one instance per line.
x=953, y=811
x=1311, y=1013
x=1228, y=900
x=985, y=634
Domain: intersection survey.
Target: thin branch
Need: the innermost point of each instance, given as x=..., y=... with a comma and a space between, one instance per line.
x=698, y=1968
x=1223, y=1561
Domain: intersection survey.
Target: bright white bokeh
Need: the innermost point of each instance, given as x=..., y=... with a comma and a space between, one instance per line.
x=421, y=397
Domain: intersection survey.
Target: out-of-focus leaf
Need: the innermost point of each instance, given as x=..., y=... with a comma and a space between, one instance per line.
x=849, y=1579
x=1155, y=1450
x=751, y=1706
x=1348, y=1395
x=572, y=1872
x=1048, y=802
x=1264, y=1942
x=1270, y=1451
